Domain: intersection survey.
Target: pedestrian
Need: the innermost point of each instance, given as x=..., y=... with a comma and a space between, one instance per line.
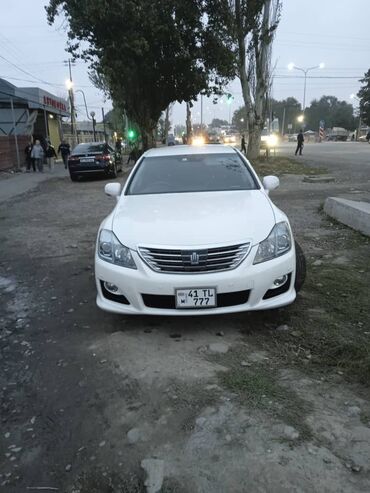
x=300, y=140
x=65, y=150
x=29, y=160
x=243, y=148
x=37, y=154
x=50, y=156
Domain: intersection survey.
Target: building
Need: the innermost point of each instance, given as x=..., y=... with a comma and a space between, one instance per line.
x=85, y=132
x=25, y=113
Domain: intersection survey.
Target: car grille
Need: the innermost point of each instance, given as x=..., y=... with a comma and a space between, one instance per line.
x=194, y=261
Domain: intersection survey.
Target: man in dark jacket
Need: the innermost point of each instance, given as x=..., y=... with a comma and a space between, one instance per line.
x=300, y=140
x=243, y=146
x=65, y=150
x=29, y=161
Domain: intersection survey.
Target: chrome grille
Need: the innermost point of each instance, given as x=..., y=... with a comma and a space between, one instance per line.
x=194, y=260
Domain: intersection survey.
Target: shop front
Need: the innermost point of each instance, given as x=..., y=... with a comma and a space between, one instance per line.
x=27, y=113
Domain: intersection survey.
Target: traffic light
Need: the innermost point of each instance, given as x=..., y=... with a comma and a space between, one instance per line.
x=131, y=134
x=229, y=99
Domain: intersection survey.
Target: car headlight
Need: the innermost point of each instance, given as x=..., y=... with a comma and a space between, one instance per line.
x=111, y=250
x=278, y=242
x=272, y=141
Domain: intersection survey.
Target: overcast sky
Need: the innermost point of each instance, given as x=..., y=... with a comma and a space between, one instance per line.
x=335, y=32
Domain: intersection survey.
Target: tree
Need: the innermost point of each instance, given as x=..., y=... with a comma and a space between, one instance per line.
x=145, y=54
x=251, y=24
x=240, y=119
x=287, y=111
x=364, y=95
x=217, y=123
x=335, y=113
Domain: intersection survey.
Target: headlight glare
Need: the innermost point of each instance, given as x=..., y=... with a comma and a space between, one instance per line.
x=277, y=243
x=111, y=250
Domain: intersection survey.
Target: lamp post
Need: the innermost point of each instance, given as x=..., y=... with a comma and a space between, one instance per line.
x=352, y=96
x=69, y=85
x=292, y=66
x=92, y=113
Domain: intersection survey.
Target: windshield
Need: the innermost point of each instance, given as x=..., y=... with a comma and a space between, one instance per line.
x=191, y=173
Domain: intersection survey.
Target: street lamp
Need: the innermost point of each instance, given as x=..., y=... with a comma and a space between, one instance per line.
x=292, y=66
x=300, y=118
x=92, y=113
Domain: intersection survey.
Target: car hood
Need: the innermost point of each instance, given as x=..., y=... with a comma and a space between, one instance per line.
x=193, y=219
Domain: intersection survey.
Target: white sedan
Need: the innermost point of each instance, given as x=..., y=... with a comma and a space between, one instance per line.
x=194, y=232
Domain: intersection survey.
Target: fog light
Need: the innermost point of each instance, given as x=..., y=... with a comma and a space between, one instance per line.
x=280, y=281
x=112, y=288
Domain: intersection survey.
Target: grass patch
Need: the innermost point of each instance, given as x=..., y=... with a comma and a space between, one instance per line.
x=94, y=481
x=258, y=387
x=330, y=323
x=279, y=165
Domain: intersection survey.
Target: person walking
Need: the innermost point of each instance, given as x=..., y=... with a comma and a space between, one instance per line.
x=65, y=150
x=50, y=156
x=243, y=147
x=29, y=160
x=37, y=154
x=300, y=140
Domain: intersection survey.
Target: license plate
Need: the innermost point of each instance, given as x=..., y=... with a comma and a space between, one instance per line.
x=196, y=298
x=87, y=160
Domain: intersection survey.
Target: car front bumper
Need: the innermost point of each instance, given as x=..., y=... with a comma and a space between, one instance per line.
x=257, y=280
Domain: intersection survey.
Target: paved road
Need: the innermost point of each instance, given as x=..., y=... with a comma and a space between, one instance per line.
x=349, y=160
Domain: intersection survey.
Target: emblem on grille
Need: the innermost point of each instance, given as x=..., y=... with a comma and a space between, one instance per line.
x=194, y=258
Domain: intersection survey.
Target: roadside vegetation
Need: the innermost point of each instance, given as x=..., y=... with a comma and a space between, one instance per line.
x=280, y=165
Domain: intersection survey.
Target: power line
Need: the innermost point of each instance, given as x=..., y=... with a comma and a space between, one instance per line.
x=25, y=71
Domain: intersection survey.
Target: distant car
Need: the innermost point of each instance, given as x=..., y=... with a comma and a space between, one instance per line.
x=94, y=158
x=268, y=140
x=194, y=232
x=292, y=138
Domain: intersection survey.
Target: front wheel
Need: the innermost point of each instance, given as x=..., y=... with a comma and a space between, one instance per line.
x=300, y=273
x=73, y=177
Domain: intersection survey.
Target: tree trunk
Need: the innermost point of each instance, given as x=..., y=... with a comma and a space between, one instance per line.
x=147, y=138
x=189, y=130
x=254, y=140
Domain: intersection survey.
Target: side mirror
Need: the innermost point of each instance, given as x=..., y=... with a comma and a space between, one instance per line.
x=270, y=183
x=112, y=189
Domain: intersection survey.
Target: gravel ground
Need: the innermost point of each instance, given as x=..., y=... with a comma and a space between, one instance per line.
x=231, y=403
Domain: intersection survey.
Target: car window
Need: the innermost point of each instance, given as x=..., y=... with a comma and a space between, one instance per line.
x=191, y=173
x=83, y=148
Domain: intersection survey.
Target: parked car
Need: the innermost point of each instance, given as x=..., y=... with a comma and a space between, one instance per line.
x=94, y=158
x=194, y=232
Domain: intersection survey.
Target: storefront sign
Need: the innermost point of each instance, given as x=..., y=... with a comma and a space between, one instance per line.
x=54, y=103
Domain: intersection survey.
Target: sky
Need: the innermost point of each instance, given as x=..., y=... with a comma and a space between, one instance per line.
x=334, y=32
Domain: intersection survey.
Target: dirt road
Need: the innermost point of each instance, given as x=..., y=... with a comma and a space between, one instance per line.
x=264, y=402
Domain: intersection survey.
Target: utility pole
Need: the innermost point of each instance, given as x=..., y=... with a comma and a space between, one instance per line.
x=201, y=113
x=15, y=136
x=105, y=133
x=72, y=104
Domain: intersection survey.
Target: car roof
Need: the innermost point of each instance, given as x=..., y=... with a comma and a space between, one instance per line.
x=180, y=150
x=91, y=143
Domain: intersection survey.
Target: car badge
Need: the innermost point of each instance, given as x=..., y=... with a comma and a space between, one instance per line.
x=194, y=258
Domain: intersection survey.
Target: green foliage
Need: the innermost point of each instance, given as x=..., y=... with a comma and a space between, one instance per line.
x=364, y=95
x=146, y=54
x=335, y=113
x=217, y=123
x=292, y=110
x=240, y=119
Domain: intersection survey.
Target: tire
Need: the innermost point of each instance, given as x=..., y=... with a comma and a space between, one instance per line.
x=300, y=274
x=113, y=173
x=73, y=177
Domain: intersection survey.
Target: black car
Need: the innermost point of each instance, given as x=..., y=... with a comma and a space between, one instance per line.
x=94, y=158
